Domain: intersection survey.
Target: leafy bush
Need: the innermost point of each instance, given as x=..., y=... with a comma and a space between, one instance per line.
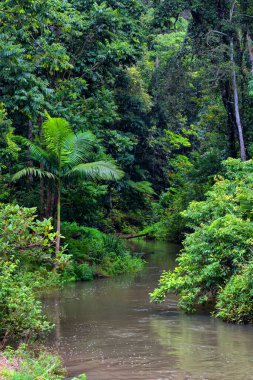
x=84, y=272
x=27, y=263
x=86, y=243
x=20, y=313
x=41, y=278
x=26, y=239
x=114, y=265
x=235, y=302
x=210, y=265
x=79, y=240
x=93, y=250
x=78, y=272
x=190, y=178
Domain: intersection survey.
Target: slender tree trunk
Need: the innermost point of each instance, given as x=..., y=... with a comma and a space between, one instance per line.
x=42, y=196
x=231, y=123
x=50, y=201
x=58, y=238
x=236, y=106
x=157, y=64
x=48, y=207
x=42, y=182
x=42, y=199
x=30, y=137
x=30, y=130
x=250, y=48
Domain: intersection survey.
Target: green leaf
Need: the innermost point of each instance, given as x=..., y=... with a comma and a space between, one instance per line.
x=144, y=187
x=33, y=172
x=100, y=170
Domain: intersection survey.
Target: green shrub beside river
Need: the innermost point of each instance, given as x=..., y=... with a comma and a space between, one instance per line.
x=216, y=261
x=95, y=253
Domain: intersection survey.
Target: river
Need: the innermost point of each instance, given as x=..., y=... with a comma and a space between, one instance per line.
x=109, y=330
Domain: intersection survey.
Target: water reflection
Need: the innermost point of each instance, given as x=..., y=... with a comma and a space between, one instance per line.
x=206, y=348
x=109, y=329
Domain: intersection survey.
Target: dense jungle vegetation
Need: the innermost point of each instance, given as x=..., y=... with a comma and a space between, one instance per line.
x=123, y=118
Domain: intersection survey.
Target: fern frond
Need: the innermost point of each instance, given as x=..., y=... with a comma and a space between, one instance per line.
x=38, y=154
x=77, y=148
x=55, y=131
x=33, y=172
x=99, y=170
x=144, y=187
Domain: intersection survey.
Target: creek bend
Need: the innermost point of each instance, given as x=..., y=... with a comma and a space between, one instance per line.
x=109, y=330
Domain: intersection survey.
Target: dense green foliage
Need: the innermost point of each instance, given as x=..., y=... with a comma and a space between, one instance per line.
x=20, y=313
x=27, y=262
x=216, y=262
x=234, y=303
x=63, y=155
x=94, y=253
x=26, y=239
x=153, y=81
x=147, y=100
x=71, y=59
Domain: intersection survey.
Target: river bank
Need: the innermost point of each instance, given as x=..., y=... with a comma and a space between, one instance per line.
x=32, y=362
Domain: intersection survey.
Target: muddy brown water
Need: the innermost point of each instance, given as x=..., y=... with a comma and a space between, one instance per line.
x=109, y=330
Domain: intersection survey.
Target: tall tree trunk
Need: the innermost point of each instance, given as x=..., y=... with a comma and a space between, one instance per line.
x=250, y=48
x=30, y=137
x=42, y=195
x=155, y=78
x=48, y=207
x=231, y=123
x=50, y=201
x=236, y=105
x=30, y=130
x=58, y=229
x=42, y=183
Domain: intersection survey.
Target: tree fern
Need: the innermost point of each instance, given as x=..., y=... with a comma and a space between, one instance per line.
x=63, y=154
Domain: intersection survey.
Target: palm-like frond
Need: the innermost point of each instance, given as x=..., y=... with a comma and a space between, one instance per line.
x=33, y=172
x=38, y=154
x=66, y=154
x=144, y=187
x=98, y=170
x=55, y=131
x=77, y=148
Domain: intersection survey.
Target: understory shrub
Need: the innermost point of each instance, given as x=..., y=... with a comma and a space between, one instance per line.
x=27, y=263
x=113, y=265
x=78, y=272
x=216, y=261
x=190, y=178
x=93, y=251
x=235, y=302
x=20, y=312
x=28, y=240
